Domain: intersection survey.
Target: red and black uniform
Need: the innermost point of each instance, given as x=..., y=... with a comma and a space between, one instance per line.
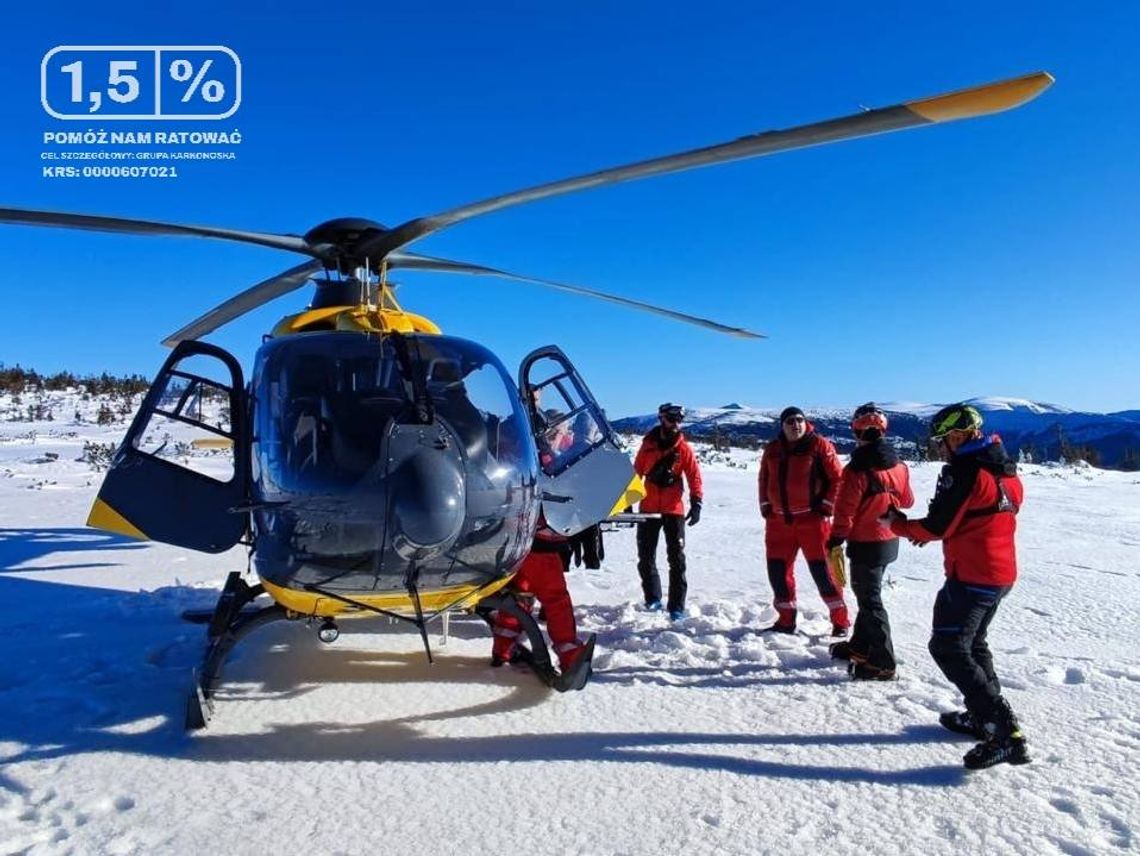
x=974, y=514
x=874, y=481
x=541, y=576
x=798, y=483
x=663, y=459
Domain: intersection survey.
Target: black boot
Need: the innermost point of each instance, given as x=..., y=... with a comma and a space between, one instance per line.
x=1003, y=742
x=840, y=650
x=867, y=672
x=961, y=722
x=998, y=750
x=843, y=651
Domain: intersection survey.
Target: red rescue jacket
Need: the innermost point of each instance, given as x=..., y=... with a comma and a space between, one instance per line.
x=798, y=478
x=974, y=514
x=662, y=462
x=873, y=481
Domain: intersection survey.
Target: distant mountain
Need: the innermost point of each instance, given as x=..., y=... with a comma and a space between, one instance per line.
x=1034, y=426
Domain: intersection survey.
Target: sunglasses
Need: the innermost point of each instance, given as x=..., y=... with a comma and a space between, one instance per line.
x=792, y=420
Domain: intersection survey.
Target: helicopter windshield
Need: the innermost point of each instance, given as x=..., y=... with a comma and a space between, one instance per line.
x=324, y=402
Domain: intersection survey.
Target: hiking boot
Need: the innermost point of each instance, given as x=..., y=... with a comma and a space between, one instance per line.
x=842, y=651
x=961, y=722
x=653, y=606
x=676, y=614
x=780, y=628
x=867, y=672
x=839, y=630
x=997, y=750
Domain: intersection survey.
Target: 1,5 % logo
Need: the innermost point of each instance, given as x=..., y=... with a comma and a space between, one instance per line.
x=140, y=82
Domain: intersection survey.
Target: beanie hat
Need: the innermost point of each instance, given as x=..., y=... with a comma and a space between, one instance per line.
x=790, y=411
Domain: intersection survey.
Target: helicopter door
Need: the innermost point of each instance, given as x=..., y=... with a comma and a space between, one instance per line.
x=182, y=470
x=582, y=470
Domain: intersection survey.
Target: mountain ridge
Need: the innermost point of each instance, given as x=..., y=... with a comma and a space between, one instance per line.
x=1039, y=430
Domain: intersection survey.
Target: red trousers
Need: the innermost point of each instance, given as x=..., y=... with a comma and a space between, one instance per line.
x=782, y=541
x=542, y=576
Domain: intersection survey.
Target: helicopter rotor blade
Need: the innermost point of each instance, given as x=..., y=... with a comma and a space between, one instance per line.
x=29, y=217
x=249, y=299
x=414, y=261
x=961, y=104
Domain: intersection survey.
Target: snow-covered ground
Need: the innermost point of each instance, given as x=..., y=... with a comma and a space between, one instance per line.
x=697, y=737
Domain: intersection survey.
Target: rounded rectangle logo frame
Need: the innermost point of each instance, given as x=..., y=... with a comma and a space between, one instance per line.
x=158, y=114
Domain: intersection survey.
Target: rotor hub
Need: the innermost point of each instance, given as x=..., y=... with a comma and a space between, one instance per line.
x=345, y=235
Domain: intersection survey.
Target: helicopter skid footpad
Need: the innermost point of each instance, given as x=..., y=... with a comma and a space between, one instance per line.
x=199, y=704
x=199, y=709
x=578, y=675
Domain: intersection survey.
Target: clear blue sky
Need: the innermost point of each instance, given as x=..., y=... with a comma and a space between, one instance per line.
x=995, y=256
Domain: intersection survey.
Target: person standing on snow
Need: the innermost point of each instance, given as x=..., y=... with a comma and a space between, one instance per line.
x=664, y=457
x=974, y=515
x=874, y=481
x=799, y=478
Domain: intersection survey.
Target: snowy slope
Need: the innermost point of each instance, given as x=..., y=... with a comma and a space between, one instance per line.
x=702, y=737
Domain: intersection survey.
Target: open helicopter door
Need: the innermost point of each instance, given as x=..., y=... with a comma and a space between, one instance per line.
x=582, y=470
x=181, y=475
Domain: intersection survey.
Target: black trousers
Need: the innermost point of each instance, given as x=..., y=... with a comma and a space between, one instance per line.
x=648, y=533
x=871, y=635
x=962, y=616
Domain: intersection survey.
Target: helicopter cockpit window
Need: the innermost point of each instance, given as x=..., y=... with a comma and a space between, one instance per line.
x=191, y=422
x=564, y=416
x=472, y=392
x=325, y=402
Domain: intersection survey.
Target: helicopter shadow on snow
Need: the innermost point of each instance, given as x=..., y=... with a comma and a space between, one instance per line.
x=97, y=670
x=90, y=669
x=404, y=739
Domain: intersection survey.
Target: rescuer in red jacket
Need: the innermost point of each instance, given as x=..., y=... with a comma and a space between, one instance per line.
x=542, y=574
x=799, y=478
x=974, y=514
x=664, y=457
x=874, y=481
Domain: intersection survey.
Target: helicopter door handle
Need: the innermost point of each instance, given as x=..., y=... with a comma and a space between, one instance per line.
x=554, y=497
x=257, y=506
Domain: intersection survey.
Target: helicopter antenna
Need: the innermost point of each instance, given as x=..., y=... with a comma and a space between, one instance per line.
x=414, y=593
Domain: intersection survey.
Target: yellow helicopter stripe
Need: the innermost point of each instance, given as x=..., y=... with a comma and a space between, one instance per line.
x=980, y=100
x=312, y=603
x=104, y=517
x=212, y=443
x=633, y=494
x=356, y=319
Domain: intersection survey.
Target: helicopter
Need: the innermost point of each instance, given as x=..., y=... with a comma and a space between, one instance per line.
x=375, y=465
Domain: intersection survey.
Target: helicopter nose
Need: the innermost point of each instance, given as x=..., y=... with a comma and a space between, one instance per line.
x=429, y=504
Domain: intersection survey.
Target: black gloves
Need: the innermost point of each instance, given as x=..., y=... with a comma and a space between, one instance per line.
x=834, y=542
x=694, y=516
x=892, y=514
x=765, y=510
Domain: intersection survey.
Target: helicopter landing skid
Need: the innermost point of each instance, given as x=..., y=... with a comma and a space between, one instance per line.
x=536, y=655
x=229, y=623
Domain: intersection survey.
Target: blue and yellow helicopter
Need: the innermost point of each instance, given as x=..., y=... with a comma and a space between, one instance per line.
x=378, y=466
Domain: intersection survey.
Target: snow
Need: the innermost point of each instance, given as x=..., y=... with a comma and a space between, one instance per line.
x=697, y=737
x=991, y=403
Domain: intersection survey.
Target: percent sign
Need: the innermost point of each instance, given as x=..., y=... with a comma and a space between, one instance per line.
x=182, y=70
